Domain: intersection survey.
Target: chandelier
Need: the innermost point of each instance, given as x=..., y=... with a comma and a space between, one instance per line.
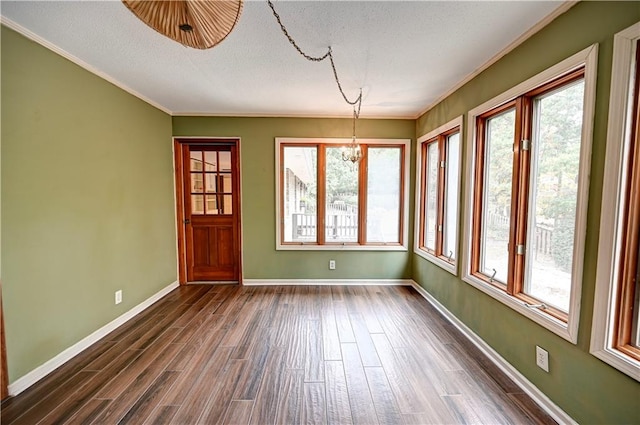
x=200, y=24
x=353, y=151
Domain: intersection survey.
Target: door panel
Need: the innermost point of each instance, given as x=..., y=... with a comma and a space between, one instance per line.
x=223, y=254
x=210, y=206
x=213, y=251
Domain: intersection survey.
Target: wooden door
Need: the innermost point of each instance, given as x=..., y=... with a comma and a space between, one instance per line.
x=210, y=211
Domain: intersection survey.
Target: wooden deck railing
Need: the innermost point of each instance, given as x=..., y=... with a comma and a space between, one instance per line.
x=339, y=226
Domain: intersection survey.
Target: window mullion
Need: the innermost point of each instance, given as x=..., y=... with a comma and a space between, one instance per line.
x=362, y=196
x=440, y=202
x=219, y=184
x=520, y=200
x=322, y=195
x=481, y=144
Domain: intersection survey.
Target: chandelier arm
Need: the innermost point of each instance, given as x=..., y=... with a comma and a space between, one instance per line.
x=329, y=54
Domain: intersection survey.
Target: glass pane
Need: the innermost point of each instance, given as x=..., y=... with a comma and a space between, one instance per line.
x=383, y=195
x=226, y=183
x=211, y=183
x=196, y=160
x=210, y=161
x=227, y=204
x=196, y=182
x=197, y=204
x=450, y=237
x=341, y=220
x=299, y=193
x=431, y=196
x=225, y=161
x=499, y=137
x=212, y=205
x=557, y=128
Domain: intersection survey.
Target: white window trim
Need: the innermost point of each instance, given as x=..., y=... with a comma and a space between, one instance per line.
x=451, y=268
x=569, y=331
x=334, y=247
x=616, y=164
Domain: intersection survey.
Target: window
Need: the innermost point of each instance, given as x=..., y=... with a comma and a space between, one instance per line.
x=615, y=332
x=215, y=196
x=325, y=202
x=438, y=178
x=530, y=155
x=526, y=193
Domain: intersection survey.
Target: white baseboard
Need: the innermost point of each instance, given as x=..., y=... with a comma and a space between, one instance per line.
x=326, y=282
x=24, y=382
x=527, y=386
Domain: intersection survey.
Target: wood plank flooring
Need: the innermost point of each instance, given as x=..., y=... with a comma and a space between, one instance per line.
x=209, y=354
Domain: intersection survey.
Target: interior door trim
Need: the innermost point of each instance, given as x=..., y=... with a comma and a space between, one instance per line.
x=178, y=183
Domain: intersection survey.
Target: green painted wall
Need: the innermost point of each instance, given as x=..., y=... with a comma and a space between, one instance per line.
x=261, y=260
x=87, y=202
x=87, y=208
x=586, y=388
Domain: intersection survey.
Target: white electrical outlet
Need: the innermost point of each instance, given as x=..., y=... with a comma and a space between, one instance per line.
x=332, y=264
x=119, y=296
x=542, y=359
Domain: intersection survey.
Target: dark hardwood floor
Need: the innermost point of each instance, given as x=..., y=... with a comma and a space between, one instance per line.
x=285, y=355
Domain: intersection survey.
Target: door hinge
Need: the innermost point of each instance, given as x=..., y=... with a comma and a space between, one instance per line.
x=526, y=145
x=439, y=227
x=443, y=164
x=520, y=249
x=186, y=221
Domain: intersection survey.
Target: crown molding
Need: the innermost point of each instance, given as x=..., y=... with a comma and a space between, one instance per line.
x=259, y=115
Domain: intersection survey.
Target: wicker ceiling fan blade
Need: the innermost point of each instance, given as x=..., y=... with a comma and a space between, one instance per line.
x=214, y=19
x=200, y=24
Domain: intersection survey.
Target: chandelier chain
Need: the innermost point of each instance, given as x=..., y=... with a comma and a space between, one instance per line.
x=358, y=101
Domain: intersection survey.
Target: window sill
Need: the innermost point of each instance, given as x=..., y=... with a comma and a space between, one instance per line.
x=311, y=247
x=619, y=360
x=560, y=328
x=445, y=265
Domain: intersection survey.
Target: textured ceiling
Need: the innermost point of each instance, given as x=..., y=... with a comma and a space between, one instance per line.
x=404, y=55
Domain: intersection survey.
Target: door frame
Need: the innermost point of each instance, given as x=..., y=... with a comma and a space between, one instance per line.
x=178, y=183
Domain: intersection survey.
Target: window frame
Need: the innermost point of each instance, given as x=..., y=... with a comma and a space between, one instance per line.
x=360, y=245
x=439, y=135
x=521, y=199
x=618, y=169
x=566, y=327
